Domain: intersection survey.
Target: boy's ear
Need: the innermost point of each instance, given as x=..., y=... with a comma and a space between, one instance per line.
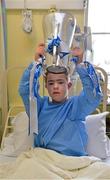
x=69, y=85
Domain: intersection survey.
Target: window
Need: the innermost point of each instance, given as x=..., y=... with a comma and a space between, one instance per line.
x=98, y=20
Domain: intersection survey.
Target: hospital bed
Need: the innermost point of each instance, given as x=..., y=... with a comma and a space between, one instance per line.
x=17, y=120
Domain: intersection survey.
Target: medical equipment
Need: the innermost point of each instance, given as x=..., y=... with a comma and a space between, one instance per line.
x=27, y=19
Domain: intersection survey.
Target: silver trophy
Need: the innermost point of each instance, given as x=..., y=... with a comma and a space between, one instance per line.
x=62, y=25
x=59, y=25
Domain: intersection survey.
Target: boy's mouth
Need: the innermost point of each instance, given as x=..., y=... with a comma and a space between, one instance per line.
x=56, y=93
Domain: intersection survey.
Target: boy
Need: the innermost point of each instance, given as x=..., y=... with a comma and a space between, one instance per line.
x=61, y=119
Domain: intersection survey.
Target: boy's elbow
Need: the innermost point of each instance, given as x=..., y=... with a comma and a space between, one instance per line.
x=94, y=98
x=21, y=90
x=97, y=99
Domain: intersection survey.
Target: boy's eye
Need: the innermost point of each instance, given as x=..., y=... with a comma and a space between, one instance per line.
x=50, y=83
x=61, y=82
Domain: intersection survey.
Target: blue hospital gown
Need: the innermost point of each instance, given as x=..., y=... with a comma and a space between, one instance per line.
x=62, y=125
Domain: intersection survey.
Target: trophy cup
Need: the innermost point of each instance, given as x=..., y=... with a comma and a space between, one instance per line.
x=59, y=27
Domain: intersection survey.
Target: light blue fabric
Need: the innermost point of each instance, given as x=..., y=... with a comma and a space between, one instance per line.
x=62, y=125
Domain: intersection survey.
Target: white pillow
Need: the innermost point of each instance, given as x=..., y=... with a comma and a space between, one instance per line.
x=18, y=141
x=20, y=131
x=20, y=123
x=97, y=139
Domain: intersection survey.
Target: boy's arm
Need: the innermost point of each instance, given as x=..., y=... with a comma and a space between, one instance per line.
x=91, y=95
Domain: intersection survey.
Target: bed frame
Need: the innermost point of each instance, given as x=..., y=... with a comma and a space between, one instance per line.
x=14, y=102
x=103, y=82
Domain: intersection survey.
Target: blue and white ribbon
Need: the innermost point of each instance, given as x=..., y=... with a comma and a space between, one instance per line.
x=93, y=76
x=58, y=43
x=37, y=73
x=52, y=43
x=34, y=86
x=75, y=59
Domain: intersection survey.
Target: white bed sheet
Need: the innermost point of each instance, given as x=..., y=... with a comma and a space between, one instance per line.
x=41, y=163
x=6, y=159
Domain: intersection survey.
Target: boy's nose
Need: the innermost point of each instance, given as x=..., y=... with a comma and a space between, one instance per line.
x=55, y=85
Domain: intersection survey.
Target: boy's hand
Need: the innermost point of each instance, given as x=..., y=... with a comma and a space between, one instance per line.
x=40, y=51
x=78, y=52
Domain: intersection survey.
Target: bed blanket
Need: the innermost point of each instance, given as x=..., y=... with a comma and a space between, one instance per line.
x=46, y=164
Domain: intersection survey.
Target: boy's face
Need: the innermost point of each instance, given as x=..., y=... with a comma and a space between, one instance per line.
x=57, y=86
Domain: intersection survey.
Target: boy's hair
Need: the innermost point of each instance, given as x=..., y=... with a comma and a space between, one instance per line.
x=56, y=70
